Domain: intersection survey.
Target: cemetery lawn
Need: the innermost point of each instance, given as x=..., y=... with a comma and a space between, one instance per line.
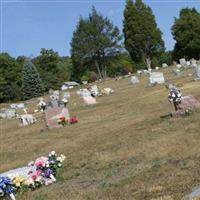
x=119, y=150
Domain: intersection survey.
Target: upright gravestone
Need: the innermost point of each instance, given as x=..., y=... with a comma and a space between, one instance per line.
x=10, y=113
x=55, y=111
x=164, y=65
x=177, y=72
x=134, y=80
x=52, y=116
x=157, y=77
x=94, y=91
x=188, y=102
x=198, y=72
x=193, y=62
x=182, y=61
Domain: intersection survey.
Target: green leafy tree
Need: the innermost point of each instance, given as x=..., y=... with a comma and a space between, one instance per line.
x=186, y=32
x=10, y=78
x=95, y=41
x=54, y=69
x=143, y=39
x=32, y=85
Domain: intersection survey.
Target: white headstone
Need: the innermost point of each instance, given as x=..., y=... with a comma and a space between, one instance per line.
x=156, y=77
x=84, y=93
x=193, y=62
x=2, y=115
x=188, y=63
x=177, y=71
x=139, y=72
x=198, y=72
x=13, y=106
x=27, y=119
x=66, y=95
x=164, y=65
x=94, y=90
x=182, y=61
x=178, y=66
x=134, y=80
x=64, y=87
x=145, y=71
x=157, y=68
x=85, y=82
x=10, y=113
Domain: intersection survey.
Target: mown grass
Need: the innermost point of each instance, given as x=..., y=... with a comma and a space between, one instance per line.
x=120, y=149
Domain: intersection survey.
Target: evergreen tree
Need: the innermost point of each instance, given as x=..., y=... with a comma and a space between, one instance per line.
x=186, y=32
x=32, y=85
x=143, y=39
x=10, y=78
x=95, y=41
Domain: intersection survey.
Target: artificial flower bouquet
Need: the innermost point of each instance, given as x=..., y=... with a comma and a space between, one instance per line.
x=40, y=172
x=46, y=169
x=63, y=121
x=73, y=120
x=6, y=187
x=20, y=183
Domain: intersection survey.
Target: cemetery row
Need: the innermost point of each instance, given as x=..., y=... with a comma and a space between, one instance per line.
x=55, y=114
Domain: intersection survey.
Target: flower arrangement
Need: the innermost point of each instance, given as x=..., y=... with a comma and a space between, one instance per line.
x=20, y=183
x=63, y=121
x=41, y=172
x=6, y=187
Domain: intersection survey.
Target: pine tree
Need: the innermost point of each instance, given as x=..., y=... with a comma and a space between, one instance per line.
x=186, y=32
x=143, y=39
x=32, y=85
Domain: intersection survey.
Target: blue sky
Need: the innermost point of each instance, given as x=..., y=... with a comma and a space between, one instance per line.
x=29, y=25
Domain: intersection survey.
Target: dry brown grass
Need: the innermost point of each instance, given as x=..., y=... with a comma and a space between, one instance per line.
x=119, y=150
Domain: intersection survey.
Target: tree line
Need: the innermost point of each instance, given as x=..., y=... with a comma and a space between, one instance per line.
x=99, y=50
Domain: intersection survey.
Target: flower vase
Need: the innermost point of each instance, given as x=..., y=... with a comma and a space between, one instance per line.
x=12, y=196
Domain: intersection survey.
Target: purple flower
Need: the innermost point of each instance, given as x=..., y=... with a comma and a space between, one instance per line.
x=48, y=172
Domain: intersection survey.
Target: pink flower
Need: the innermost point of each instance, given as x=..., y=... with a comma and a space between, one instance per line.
x=41, y=162
x=34, y=177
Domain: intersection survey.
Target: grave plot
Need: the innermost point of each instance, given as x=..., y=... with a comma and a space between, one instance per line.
x=52, y=115
x=183, y=104
x=187, y=105
x=156, y=78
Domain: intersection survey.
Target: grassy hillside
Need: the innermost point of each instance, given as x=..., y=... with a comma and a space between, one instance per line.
x=119, y=150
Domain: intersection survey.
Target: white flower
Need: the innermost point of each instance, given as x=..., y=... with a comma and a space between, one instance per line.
x=38, y=179
x=30, y=182
x=30, y=163
x=58, y=158
x=59, y=165
x=63, y=157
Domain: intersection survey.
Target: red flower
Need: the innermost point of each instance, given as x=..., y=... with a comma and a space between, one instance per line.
x=34, y=177
x=62, y=119
x=73, y=120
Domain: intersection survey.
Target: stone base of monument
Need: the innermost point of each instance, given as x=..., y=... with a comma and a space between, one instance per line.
x=188, y=104
x=23, y=171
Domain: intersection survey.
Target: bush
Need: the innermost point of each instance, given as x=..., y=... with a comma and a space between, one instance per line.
x=126, y=67
x=93, y=76
x=89, y=76
x=84, y=78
